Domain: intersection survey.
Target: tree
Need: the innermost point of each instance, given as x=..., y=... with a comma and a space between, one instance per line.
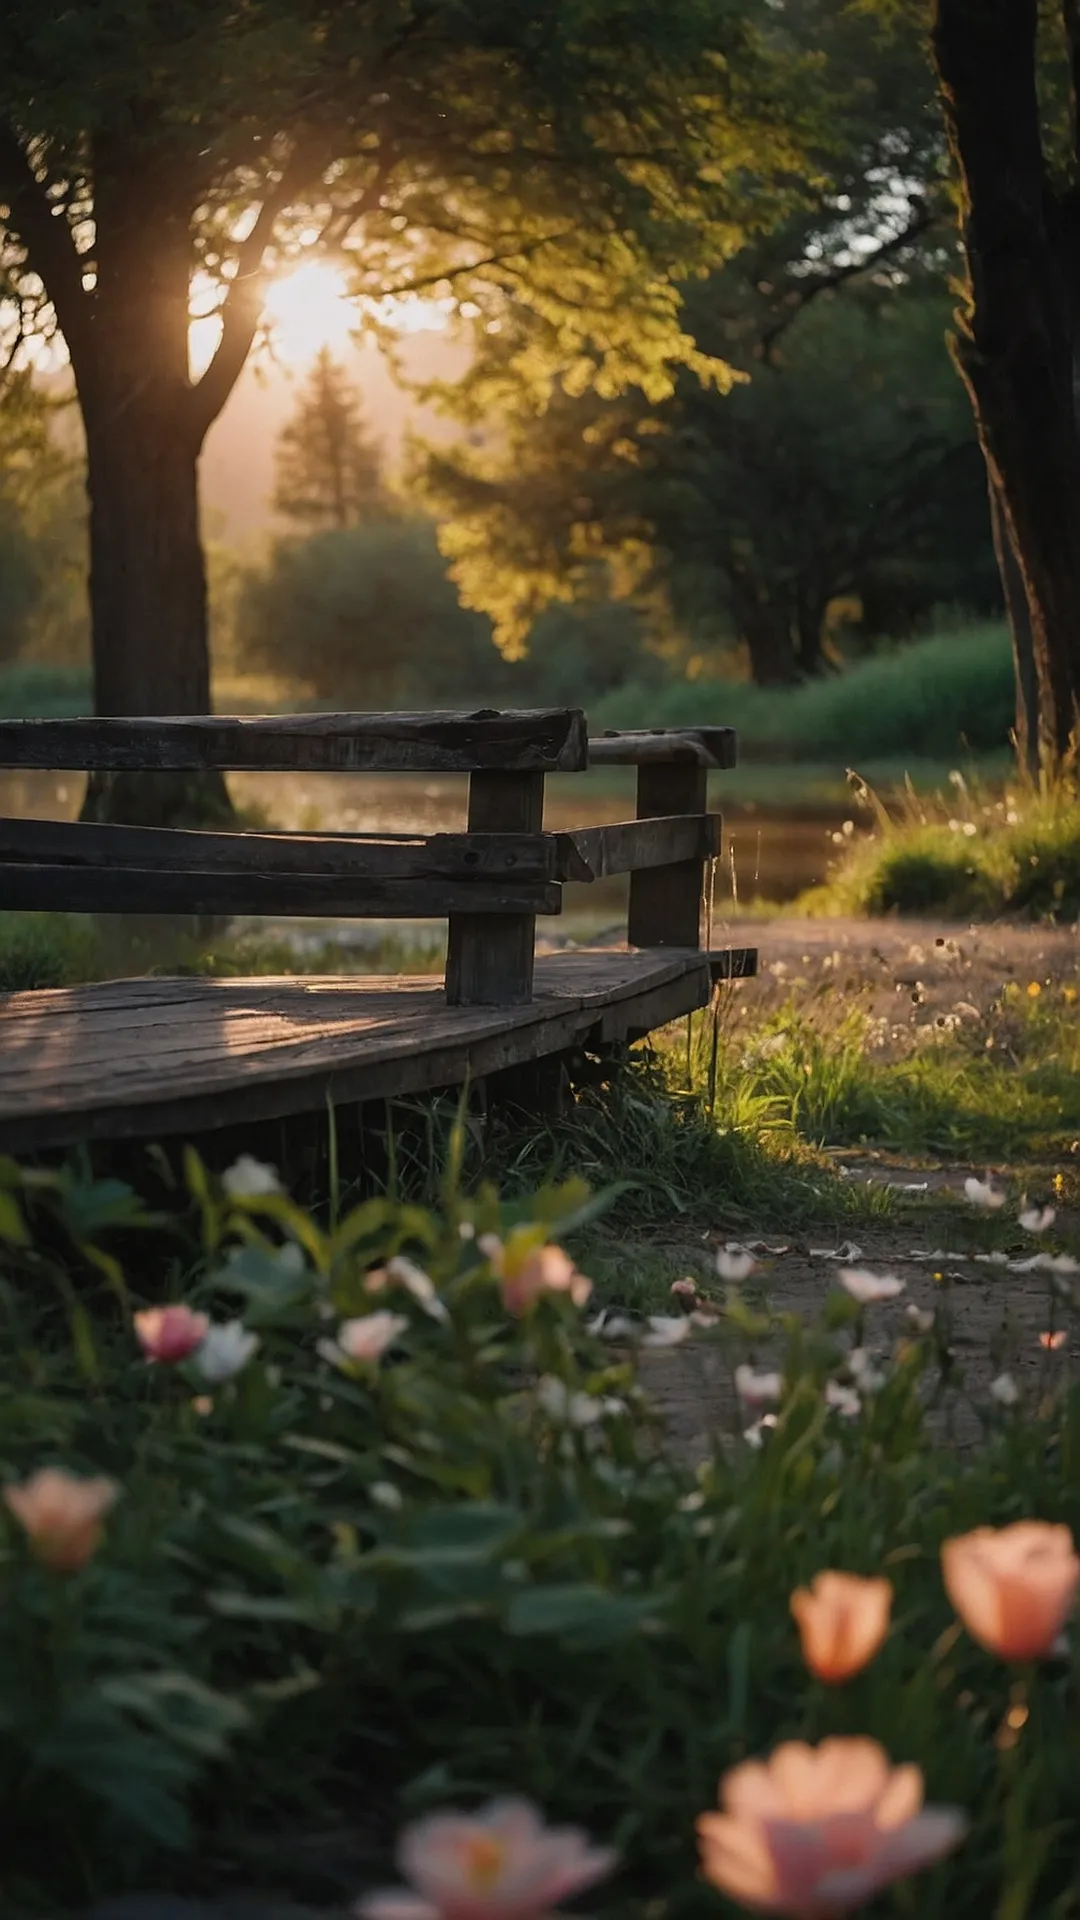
x=1012, y=105
x=39, y=516
x=840, y=449
x=844, y=467
x=328, y=470
x=572, y=157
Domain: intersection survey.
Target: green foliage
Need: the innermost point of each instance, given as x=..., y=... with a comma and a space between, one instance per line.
x=965, y=856
x=841, y=465
x=327, y=468
x=46, y=950
x=938, y=696
x=42, y=528
x=331, y=1598
x=1003, y=1088
x=370, y=613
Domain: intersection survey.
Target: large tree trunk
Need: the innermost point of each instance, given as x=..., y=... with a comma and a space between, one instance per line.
x=1016, y=606
x=144, y=434
x=1016, y=346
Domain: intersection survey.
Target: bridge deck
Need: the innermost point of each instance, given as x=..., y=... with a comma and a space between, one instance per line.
x=153, y=1058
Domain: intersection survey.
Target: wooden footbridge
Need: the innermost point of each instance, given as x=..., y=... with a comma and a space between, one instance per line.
x=155, y=1057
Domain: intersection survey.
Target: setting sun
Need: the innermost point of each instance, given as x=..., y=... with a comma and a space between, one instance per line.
x=309, y=308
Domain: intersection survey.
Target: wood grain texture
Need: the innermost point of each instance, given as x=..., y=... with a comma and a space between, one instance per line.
x=488, y=963
x=551, y=739
x=160, y=1058
x=628, y=846
x=666, y=902
x=715, y=747
x=70, y=889
x=445, y=856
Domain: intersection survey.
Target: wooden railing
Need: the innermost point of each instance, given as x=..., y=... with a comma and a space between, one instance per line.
x=490, y=882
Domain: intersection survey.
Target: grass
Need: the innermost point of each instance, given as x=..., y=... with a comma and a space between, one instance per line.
x=937, y=698
x=970, y=854
x=1002, y=1089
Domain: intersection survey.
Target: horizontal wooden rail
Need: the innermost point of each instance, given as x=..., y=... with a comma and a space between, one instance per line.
x=548, y=740
x=30, y=887
x=714, y=747
x=446, y=856
x=629, y=846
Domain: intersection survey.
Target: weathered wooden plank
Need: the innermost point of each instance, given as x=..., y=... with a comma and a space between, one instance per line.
x=715, y=747
x=732, y=963
x=550, y=739
x=489, y=965
x=665, y=902
x=408, y=1042
x=63, y=889
x=628, y=846
x=518, y=856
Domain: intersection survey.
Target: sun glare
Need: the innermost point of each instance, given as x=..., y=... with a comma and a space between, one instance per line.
x=309, y=308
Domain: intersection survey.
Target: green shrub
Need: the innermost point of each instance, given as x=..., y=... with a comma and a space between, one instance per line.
x=33, y=691
x=931, y=699
x=329, y=1597
x=46, y=950
x=964, y=855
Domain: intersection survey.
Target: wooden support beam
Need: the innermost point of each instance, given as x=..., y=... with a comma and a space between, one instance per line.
x=732, y=963
x=627, y=846
x=488, y=963
x=714, y=747
x=665, y=902
x=516, y=857
x=551, y=739
x=31, y=887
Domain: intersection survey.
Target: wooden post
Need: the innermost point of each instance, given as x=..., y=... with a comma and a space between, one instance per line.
x=489, y=960
x=665, y=902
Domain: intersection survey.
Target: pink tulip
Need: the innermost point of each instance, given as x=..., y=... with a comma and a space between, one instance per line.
x=499, y=1864
x=814, y=1832
x=842, y=1621
x=1013, y=1587
x=527, y=1266
x=61, y=1515
x=169, y=1334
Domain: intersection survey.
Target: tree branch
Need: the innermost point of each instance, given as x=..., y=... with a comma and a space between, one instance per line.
x=799, y=296
x=242, y=307
x=47, y=239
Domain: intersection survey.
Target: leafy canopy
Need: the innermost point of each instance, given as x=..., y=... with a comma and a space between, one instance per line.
x=580, y=158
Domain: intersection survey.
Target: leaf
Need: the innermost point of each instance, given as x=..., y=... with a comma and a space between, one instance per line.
x=580, y=1614
x=12, y=1224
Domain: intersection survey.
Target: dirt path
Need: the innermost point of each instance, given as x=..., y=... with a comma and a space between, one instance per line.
x=905, y=975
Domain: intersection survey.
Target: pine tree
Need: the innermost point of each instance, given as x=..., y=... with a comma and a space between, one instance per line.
x=328, y=469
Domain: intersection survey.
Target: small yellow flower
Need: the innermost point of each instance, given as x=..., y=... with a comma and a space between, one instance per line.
x=1068, y=994
x=1034, y=989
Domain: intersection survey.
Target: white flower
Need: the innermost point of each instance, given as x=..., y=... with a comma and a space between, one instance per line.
x=920, y=1318
x=290, y=1259
x=866, y=1287
x=576, y=1409
x=735, y=1264
x=983, y=1193
x=842, y=1400
x=1004, y=1390
x=666, y=1330
x=757, y=1390
x=1037, y=1219
x=868, y=1378
x=364, y=1339
x=405, y=1273
x=250, y=1179
x=225, y=1351
x=755, y=1435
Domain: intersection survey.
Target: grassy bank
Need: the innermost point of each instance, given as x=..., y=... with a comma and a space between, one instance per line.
x=967, y=854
